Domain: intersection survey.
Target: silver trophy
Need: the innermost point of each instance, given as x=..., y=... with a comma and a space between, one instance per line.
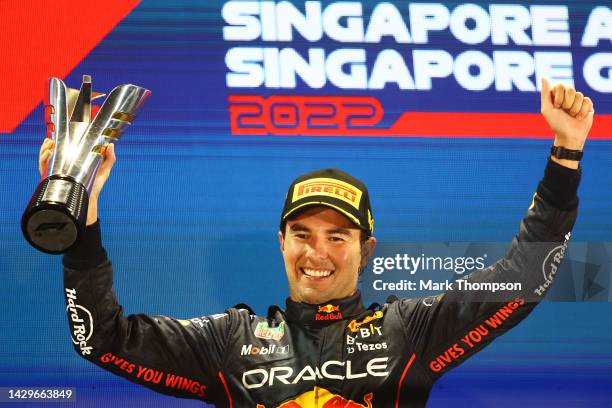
x=56, y=214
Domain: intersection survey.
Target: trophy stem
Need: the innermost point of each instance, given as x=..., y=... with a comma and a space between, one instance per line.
x=56, y=214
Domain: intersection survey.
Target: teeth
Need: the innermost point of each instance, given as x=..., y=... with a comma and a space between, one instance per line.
x=318, y=273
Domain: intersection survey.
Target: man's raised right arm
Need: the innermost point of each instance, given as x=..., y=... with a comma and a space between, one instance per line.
x=171, y=356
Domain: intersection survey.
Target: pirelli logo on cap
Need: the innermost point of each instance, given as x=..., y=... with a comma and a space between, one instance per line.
x=327, y=187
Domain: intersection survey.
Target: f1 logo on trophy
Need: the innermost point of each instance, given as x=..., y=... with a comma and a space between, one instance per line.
x=56, y=214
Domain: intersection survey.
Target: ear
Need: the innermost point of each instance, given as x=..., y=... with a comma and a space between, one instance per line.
x=281, y=241
x=366, y=251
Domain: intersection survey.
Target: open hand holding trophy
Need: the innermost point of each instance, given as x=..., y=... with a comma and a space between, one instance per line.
x=55, y=216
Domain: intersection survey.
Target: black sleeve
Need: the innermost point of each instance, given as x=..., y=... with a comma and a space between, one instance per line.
x=449, y=328
x=175, y=357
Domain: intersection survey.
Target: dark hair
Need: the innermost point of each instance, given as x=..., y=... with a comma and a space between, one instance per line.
x=363, y=236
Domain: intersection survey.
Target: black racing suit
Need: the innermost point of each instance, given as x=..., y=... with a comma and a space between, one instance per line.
x=338, y=354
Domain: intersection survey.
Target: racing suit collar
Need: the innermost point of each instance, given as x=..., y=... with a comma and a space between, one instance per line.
x=325, y=313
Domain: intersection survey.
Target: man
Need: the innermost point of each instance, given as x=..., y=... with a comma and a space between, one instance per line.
x=326, y=349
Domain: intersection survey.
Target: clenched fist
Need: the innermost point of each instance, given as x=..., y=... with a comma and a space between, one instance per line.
x=109, y=159
x=569, y=114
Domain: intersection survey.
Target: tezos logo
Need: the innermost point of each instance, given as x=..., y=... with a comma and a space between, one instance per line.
x=357, y=346
x=81, y=322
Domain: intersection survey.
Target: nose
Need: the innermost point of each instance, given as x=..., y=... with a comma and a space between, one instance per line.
x=316, y=248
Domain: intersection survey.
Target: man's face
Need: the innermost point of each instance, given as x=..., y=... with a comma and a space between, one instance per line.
x=323, y=254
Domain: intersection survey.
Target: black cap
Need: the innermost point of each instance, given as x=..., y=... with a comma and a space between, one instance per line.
x=332, y=188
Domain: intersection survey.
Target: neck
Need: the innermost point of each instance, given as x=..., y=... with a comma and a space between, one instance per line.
x=326, y=312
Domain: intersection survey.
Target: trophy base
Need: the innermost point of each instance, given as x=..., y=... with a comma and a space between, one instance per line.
x=56, y=214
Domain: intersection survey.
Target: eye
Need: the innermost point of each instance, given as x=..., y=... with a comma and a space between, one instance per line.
x=300, y=235
x=336, y=239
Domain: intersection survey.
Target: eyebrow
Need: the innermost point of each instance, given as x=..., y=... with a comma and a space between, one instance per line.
x=336, y=230
x=339, y=230
x=298, y=227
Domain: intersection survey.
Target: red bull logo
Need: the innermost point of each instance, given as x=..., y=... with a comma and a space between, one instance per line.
x=328, y=311
x=321, y=398
x=328, y=308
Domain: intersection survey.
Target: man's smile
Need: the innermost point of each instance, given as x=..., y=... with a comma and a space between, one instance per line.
x=316, y=272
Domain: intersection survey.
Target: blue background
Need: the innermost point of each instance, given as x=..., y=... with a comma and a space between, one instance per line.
x=190, y=214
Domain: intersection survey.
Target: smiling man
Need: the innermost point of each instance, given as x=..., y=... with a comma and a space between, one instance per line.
x=325, y=349
x=325, y=235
